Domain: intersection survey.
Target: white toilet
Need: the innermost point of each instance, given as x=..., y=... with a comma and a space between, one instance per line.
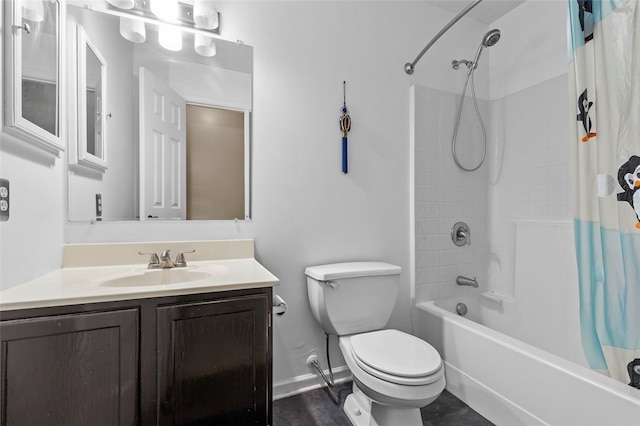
x=394, y=373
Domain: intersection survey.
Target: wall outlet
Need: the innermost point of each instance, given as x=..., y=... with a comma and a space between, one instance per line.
x=4, y=200
x=98, y=206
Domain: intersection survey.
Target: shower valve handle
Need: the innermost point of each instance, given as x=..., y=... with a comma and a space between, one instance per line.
x=461, y=234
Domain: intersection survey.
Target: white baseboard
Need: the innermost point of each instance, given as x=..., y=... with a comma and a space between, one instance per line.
x=307, y=382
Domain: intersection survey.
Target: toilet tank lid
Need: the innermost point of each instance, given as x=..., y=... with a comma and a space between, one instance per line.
x=336, y=271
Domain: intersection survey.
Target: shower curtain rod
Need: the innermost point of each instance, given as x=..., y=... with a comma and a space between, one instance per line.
x=409, y=66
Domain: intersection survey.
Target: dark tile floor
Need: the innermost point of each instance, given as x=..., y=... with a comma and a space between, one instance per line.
x=316, y=408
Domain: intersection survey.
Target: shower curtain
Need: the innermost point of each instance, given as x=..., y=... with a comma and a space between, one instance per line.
x=604, y=82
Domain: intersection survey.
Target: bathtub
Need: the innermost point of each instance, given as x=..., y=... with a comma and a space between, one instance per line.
x=511, y=382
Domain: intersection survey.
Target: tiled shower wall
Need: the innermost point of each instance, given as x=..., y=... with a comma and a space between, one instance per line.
x=528, y=171
x=525, y=177
x=445, y=195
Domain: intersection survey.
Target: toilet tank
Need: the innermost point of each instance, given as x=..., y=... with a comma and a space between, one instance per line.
x=353, y=297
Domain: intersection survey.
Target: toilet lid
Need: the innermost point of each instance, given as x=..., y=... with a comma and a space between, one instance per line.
x=395, y=353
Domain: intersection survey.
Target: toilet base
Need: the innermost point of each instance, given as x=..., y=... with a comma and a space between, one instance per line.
x=362, y=411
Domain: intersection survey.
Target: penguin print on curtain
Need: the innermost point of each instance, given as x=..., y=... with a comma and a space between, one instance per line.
x=604, y=42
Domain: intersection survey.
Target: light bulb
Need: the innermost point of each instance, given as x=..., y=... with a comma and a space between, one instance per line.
x=133, y=30
x=205, y=14
x=170, y=38
x=204, y=45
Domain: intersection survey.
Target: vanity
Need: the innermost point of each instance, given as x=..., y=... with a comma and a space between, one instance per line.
x=104, y=340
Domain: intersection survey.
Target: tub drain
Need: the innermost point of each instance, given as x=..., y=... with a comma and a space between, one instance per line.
x=461, y=309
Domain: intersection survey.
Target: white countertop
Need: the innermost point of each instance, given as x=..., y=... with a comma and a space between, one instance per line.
x=79, y=285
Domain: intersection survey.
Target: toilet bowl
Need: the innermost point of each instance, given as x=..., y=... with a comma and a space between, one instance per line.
x=394, y=375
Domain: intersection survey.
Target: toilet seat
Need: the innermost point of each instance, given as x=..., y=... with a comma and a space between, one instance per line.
x=396, y=357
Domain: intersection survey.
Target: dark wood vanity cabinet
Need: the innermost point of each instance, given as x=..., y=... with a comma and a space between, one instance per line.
x=70, y=369
x=213, y=361
x=185, y=360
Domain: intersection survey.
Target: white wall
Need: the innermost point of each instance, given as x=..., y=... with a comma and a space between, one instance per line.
x=445, y=195
x=305, y=211
x=529, y=161
x=31, y=240
x=532, y=49
x=208, y=82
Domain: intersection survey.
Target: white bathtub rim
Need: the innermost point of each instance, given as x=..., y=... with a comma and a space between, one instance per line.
x=556, y=362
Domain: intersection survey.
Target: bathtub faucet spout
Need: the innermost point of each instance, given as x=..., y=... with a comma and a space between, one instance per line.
x=473, y=282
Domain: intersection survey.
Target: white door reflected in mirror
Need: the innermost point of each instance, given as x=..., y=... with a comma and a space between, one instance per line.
x=163, y=150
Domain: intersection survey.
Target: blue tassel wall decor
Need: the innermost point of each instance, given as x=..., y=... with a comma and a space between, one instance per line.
x=345, y=126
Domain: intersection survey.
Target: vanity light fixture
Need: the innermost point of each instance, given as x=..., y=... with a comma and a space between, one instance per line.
x=122, y=4
x=205, y=14
x=133, y=30
x=172, y=18
x=170, y=37
x=204, y=45
x=33, y=10
x=165, y=9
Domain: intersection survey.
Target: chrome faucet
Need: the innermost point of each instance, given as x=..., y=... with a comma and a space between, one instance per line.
x=473, y=282
x=164, y=261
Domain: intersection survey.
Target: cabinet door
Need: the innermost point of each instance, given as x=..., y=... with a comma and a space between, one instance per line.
x=213, y=362
x=78, y=369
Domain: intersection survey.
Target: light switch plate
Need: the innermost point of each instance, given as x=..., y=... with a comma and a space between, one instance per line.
x=98, y=206
x=4, y=200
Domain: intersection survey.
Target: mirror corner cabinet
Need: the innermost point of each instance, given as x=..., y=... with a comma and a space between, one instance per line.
x=34, y=90
x=91, y=113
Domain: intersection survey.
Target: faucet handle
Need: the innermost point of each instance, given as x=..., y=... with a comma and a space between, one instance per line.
x=180, y=260
x=154, y=262
x=461, y=234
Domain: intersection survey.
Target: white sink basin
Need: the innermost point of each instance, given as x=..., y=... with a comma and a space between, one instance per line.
x=156, y=277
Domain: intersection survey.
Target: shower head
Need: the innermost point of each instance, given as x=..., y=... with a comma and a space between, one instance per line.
x=489, y=39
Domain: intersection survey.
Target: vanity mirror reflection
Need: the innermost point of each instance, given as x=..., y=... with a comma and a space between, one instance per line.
x=170, y=129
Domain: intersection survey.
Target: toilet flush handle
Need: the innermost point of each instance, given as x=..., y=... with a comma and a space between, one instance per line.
x=332, y=284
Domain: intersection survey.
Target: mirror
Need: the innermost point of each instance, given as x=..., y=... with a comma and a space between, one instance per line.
x=92, y=79
x=176, y=124
x=33, y=102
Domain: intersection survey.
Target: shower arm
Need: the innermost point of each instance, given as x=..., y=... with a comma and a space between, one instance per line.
x=409, y=66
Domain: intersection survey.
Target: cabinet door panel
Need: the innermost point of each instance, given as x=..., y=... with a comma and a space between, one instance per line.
x=212, y=358
x=70, y=369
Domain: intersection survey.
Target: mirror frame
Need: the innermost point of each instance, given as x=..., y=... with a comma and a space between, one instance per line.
x=97, y=161
x=14, y=123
